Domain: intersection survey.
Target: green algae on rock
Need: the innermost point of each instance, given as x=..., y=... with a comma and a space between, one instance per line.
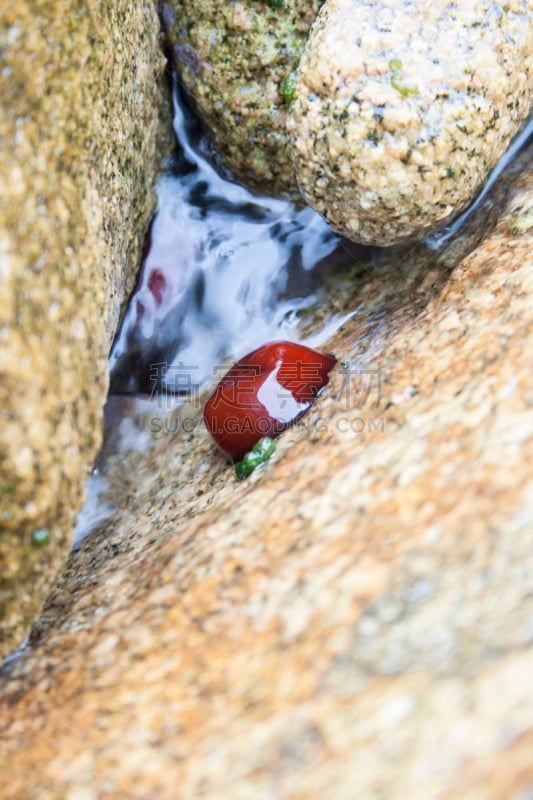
x=259, y=454
x=401, y=110
x=82, y=95
x=234, y=60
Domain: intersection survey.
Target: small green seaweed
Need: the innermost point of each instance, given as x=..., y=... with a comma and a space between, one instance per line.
x=40, y=536
x=523, y=222
x=288, y=88
x=259, y=155
x=398, y=81
x=260, y=452
x=395, y=65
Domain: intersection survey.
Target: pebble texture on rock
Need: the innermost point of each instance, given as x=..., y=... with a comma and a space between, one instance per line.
x=238, y=60
x=354, y=621
x=82, y=98
x=401, y=109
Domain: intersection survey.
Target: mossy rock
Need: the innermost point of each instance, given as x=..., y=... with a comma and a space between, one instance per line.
x=82, y=137
x=237, y=60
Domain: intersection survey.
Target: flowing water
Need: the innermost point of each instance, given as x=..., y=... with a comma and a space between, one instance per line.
x=223, y=272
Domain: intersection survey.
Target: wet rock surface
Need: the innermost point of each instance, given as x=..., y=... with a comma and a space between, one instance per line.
x=401, y=110
x=82, y=95
x=238, y=62
x=352, y=621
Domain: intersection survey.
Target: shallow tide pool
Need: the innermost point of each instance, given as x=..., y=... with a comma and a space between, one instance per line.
x=225, y=271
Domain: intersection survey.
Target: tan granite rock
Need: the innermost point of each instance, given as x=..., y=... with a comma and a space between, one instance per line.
x=402, y=109
x=81, y=93
x=355, y=619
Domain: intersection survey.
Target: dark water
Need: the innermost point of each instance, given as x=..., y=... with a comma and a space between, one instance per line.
x=225, y=271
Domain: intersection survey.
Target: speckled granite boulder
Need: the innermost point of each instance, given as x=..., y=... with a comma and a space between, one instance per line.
x=355, y=620
x=81, y=98
x=401, y=109
x=237, y=60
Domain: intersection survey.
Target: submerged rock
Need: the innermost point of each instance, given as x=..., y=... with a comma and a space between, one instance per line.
x=80, y=86
x=237, y=61
x=401, y=109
